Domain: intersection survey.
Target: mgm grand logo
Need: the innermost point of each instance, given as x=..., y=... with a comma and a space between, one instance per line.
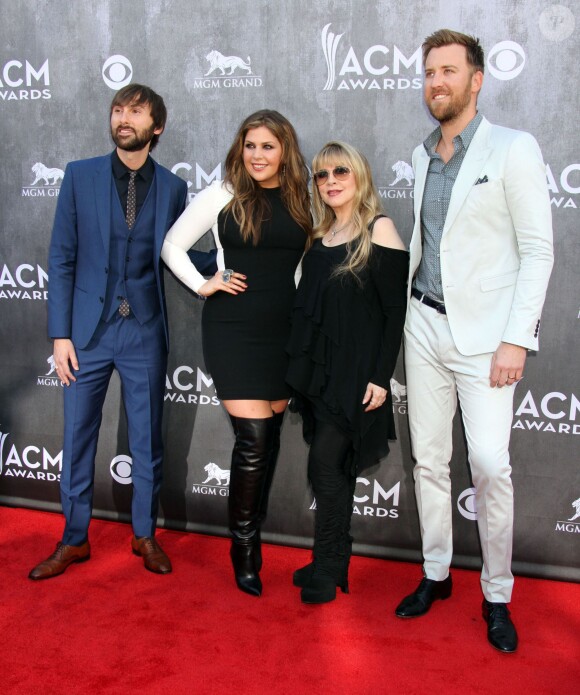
x=402, y=185
x=216, y=482
x=399, y=395
x=571, y=525
x=227, y=71
x=51, y=377
x=46, y=182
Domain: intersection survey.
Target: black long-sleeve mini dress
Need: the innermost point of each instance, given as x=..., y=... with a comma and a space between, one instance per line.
x=244, y=336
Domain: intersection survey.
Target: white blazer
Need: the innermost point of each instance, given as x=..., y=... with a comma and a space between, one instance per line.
x=496, y=250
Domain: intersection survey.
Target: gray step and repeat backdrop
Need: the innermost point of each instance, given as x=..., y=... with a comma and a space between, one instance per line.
x=349, y=69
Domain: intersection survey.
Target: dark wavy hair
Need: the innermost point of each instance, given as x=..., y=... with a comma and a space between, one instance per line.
x=138, y=94
x=249, y=206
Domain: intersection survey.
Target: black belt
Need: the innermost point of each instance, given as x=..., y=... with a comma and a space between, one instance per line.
x=438, y=306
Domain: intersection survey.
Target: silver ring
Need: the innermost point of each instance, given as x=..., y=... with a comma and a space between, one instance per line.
x=227, y=274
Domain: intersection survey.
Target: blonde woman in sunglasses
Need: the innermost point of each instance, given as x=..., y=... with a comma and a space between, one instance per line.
x=347, y=325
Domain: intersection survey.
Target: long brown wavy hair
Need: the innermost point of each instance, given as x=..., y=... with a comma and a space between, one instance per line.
x=250, y=206
x=367, y=204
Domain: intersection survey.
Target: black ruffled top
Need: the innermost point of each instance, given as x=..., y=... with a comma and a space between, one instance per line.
x=344, y=335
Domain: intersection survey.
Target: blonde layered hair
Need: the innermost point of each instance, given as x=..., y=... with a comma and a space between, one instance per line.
x=366, y=204
x=249, y=206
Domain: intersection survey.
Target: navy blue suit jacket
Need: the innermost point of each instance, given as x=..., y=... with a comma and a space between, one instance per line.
x=79, y=249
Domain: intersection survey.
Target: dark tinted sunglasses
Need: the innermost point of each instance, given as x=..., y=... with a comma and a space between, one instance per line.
x=339, y=173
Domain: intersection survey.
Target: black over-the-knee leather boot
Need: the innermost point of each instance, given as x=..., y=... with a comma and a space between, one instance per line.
x=278, y=418
x=250, y=459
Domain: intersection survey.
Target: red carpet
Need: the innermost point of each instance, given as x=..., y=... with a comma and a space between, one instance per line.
x=109, y=626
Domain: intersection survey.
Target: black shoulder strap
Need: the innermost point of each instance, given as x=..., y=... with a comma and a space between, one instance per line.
x=372, y=224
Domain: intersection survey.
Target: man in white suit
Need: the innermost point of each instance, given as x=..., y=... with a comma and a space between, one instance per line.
x=481, y=257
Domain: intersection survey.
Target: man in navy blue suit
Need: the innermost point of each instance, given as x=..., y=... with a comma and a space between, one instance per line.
x=106, y=310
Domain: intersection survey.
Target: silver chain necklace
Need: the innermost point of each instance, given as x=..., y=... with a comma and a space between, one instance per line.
x=335, y=231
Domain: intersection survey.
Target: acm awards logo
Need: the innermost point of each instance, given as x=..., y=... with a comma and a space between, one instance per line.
x=569, y=185
x=371, y=499
x=365, y=69
x=190, y=386
x=46, y=182
x=226, y=72
x=25, y=281
x=24, y=82
x=196, y=176
x=571, y=525
x=216, y=483
x=555, y=412
x=31, y=462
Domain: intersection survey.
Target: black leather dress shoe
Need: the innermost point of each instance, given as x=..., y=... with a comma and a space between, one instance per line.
x=501, y=632
x=419, y=602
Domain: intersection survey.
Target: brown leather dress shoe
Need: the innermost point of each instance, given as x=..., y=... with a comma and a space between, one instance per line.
x=154, y=559
x=63, y=556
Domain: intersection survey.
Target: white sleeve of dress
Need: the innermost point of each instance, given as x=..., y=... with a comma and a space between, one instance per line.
x=196, y=220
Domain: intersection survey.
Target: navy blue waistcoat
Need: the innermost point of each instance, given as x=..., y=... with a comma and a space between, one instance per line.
x=131, y=264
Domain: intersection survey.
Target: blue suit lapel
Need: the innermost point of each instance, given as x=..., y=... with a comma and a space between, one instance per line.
x=102, y=187
x=162, y=200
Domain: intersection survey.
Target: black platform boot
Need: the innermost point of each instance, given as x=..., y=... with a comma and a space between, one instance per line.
x=278, y=419
x=332, y=548
x=250, y=458
x=302, y=576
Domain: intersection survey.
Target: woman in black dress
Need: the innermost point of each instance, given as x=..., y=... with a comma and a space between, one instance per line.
x=260, y=217
x=346, y=333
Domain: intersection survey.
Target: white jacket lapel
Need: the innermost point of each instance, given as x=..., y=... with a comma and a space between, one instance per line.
x=475, y=158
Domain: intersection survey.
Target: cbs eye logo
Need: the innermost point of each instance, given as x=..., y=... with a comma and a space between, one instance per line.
x=117, y=72
x=466, y=504
x=121, y=469
x=506, y=60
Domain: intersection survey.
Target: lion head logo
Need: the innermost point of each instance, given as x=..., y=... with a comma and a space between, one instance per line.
x=51, y=364
x=403, y=171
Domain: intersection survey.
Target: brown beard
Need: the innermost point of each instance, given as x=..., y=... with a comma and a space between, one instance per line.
x=139, y=141
x=454, y=108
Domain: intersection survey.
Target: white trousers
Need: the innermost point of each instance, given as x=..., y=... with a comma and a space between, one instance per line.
x=436, y=375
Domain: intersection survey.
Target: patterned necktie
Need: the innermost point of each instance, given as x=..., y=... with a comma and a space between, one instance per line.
x=124, y=308
x=131, y=200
